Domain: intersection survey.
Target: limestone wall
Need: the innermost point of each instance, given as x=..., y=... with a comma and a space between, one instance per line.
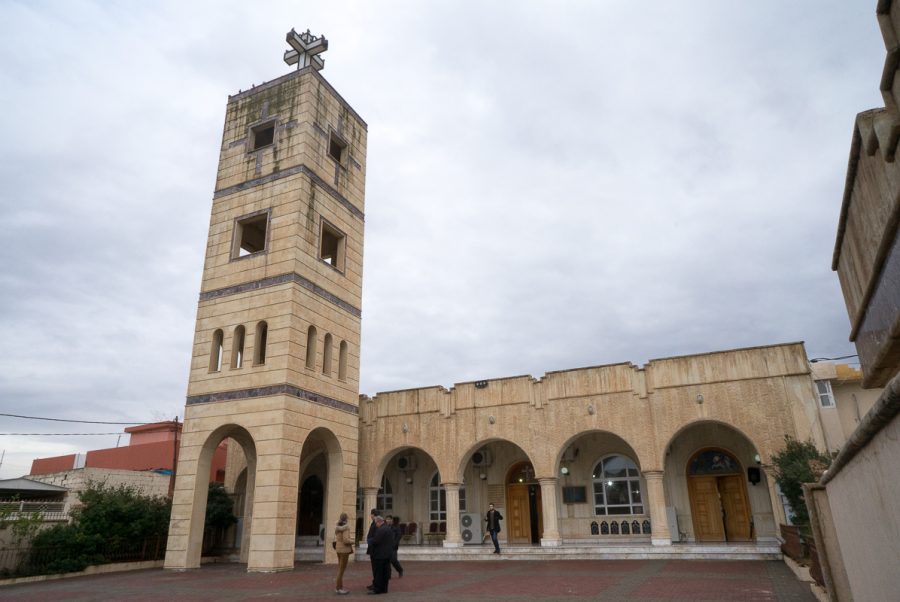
x=763, y=392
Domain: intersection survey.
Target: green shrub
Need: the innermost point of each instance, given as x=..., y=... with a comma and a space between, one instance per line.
x=799, y=462
x=219, y=516
x=219, y=508
x=109, y=518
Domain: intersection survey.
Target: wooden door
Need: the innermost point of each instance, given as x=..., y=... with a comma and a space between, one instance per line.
x=539, y=511
x=706, y=509
x=734, y=505
x=518, y=517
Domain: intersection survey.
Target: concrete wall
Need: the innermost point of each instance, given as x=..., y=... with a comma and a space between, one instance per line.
x=147, y=483
x=855, y=514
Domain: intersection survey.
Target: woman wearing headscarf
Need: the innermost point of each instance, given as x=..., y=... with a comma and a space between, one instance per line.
x=343, y=545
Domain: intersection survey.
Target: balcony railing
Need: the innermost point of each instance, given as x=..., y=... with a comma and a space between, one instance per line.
x=50, y=510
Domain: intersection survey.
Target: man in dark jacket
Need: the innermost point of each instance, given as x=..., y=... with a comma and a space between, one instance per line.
x=493, y=519
x=394, y=522
x=370, y=536
x=382, y=546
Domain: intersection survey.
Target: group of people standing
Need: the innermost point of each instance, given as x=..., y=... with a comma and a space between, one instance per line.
x=383, y=541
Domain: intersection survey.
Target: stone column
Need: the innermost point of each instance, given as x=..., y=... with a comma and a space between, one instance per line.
x=550, y=537
x=454, y=536
x=655, y=500
x=274, y=521
x=187, y=516
x=370, y=500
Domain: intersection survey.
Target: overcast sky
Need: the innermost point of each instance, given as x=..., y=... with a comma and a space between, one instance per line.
x=550, y=185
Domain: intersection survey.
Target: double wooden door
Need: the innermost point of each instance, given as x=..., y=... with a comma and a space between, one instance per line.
x=719, y=508
x=524, y=522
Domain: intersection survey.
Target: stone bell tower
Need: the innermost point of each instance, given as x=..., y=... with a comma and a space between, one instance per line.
x=275, y=363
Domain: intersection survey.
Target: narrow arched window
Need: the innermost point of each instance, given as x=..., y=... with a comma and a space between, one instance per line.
x=311, y=348
x=262, y=335
x=215, y=352
x=437, y=499
x=342, y=361
x=326, y=355
x=237, y=348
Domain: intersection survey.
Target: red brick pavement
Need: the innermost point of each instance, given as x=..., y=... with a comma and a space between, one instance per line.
x=604, y=580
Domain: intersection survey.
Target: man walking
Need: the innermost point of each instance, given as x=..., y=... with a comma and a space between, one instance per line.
x=493, y=519
x=382, y=547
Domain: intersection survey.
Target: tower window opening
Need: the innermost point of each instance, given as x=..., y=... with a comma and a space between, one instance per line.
x=331, y=246
x=215, y=355
x=336, y=148
x=250, y=235
x=326, y=355
x=262, y=135
x=342, y=361
x=262, y=336
x=311, y=347
x=237, y=348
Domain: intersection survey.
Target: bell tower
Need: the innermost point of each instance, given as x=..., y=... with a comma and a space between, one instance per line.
x=275, y=365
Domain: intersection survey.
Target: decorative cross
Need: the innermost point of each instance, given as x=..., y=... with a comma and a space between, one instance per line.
x=306, y=48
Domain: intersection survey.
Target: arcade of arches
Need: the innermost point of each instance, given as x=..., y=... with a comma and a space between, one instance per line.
x=654, y=454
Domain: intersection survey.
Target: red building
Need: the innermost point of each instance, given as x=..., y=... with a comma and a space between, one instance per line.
x=150, y=447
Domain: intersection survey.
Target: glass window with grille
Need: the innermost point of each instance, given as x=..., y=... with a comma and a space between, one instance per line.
x=438, y=500
x=385, y=495
x=617, y=487
x=826, y=398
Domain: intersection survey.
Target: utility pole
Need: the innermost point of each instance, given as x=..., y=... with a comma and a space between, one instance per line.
x=174, y=458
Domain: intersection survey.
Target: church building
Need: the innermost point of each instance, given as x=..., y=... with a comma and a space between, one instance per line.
x=677, y=451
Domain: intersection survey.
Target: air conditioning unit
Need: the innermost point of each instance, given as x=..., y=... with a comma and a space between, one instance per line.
x=406, y=463
x=470, y=528
x=482, y=458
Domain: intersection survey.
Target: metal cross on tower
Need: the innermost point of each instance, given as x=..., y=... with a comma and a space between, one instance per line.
x=306, y=48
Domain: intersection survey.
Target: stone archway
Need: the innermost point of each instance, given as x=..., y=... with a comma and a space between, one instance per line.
x=404, y=477
x=186, y=528
x=694, y=497
x=319, y=492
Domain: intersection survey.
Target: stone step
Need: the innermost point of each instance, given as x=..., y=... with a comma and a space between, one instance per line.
x=748, y=551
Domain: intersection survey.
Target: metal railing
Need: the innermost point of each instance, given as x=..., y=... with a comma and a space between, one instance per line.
x=24, y=561
x=50, y=510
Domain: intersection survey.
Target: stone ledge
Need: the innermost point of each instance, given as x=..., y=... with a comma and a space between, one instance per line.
x=98, y=569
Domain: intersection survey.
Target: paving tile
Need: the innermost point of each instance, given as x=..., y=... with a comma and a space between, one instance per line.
x=601, y=580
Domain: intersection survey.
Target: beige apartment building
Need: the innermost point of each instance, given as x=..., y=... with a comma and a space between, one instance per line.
x=677, y=450
x=842, y=401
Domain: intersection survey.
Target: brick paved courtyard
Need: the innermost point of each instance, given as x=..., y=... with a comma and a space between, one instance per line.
x=645, y=580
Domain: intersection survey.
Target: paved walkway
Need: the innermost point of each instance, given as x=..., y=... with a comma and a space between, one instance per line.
x=645, y=580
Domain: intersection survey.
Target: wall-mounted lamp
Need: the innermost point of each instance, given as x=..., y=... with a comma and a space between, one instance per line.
x=757, y=459
x=409, y=480
x=482, y=476
x=699, y=398
x=481, y=384
x=591, y=409
x=405, y=428
x=753, y=475
x=491, y=419
x=564, y=470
